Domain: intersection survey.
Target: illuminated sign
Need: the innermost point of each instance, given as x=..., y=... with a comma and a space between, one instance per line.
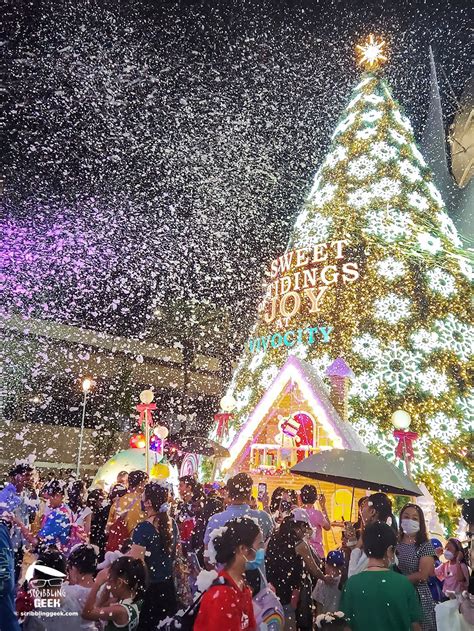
x=302, y=277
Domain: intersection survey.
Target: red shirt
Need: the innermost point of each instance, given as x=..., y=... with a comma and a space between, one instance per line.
x=226, y=607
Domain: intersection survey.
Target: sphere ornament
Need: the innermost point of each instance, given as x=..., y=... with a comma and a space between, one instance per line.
x=147, y=396
x=401, y=419
x=228, y=403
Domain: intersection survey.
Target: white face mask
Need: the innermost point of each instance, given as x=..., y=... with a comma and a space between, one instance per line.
x=410, y=526
x=448, y=555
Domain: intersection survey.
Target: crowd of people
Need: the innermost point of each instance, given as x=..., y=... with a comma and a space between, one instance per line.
x=141, y=558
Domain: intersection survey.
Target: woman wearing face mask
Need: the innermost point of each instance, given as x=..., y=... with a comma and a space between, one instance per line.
x=228, y=606
x=376, y=507
x=454, y=573
x=154, y=541
x=416, y=559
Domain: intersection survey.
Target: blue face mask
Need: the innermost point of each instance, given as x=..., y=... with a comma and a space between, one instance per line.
x=256, y=563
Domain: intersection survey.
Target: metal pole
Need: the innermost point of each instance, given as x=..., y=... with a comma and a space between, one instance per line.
x=147, y=443
x=406, y=459
x=81, y=435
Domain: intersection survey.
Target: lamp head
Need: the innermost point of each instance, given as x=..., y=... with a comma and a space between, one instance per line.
x=228, y=403
x=147, y=396
x=401, y=419
x=86, y=384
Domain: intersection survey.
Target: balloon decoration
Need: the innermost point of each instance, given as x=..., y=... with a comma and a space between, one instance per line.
x=160, y=471
x=137, y=441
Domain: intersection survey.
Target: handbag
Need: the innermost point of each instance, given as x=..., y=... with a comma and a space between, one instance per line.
x=267, y=608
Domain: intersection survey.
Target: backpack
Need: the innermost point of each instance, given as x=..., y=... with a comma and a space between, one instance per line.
x=118, y=532
x=184, y=620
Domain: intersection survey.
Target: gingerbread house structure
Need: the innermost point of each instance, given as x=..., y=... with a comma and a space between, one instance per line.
x=297, y=416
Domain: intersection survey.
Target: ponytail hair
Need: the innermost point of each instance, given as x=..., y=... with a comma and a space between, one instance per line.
x=158, y=496
x=235, y=533
x=133, y=572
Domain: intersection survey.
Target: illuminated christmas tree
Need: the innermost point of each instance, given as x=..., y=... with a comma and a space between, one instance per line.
x=375, y=273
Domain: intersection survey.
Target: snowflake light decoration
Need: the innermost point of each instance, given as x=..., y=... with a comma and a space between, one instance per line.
x=454, y=478
x=422, y=449
x=371, y=116
x=368, y=432
x=301, y=219
x=268, y=375
x=339, y=154
x=362, y=167
x=383, y=151
x=434, y=382
x=363, y=83
x=359, y=198
x=256, y=361
x=366, y=133
x=392, y=308
x=465, y=267
x=316, y=184
x=441, y=282
x=324, y=195
x=448, y=228
x=367, y=347
x=389, y=225
x=321, y=363
x=456, y=336
x=299, y=350
x=418, y=201
x=373, y=99
x=443, y=427
x=398, y=367
x=398, y=138
x=243, y=397
x=390, y=268
x=429, y=243
x=435, y=194
x=344, y=125
x=410, y=171
x=354, y=101
x=402, y=120
x=466, y=405
x=386, y=188
x=417, y=153
x=316, y=230
x=365, y=386
x=425, y=341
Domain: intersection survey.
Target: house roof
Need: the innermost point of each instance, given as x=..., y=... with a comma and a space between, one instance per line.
x=314, y=391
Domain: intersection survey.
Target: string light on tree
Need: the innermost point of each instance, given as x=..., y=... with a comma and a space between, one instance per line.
x=411, y=302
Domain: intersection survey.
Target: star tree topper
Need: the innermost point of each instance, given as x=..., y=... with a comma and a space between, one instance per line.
x=370, y=53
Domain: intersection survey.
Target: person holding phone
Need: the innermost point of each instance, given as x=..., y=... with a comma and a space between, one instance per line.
x=318, y=519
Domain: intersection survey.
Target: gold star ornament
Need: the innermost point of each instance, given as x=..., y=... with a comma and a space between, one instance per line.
x=370, y=54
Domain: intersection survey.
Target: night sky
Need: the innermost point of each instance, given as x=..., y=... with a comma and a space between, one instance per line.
x=161, y=150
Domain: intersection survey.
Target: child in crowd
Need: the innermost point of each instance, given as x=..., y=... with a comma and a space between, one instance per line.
x=318, y=519
x=435, y=585
x=56, y=527
x=328, y=595
x=454, y=572
x=126, y=581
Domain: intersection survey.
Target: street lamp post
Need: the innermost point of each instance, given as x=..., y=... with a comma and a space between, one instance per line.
x=401, y=421
x=86, y=386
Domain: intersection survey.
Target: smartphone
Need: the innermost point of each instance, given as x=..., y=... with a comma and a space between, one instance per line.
x=262, y=490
